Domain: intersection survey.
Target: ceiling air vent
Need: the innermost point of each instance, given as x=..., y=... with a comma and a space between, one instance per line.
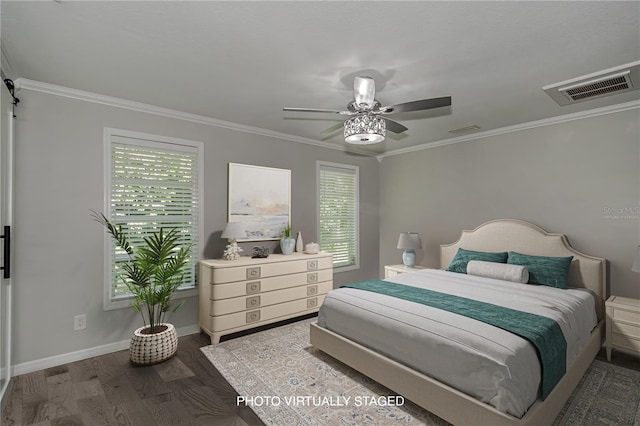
x=464, y=130
x=597, y=85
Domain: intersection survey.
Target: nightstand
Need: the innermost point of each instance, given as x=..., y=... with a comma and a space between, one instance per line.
x=393, y=270
x=623, y=325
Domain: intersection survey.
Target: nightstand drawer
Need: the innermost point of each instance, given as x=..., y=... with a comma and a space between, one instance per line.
x=391, y=273
x=394, y=270
x=625, y=315
x=626, y=342
x=626, y=329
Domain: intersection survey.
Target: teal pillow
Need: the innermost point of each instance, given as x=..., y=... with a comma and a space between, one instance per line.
x=549, y=271
x=462, y=257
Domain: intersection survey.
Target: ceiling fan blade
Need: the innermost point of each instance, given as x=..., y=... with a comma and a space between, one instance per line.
x=418, y=105
x=394, y=126
x=334, y=128
x=333, y=111
x=364, y=91
x=332, y=131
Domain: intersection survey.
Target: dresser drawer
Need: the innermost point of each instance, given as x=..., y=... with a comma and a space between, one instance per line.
x=265, y=270
x=626, y=329
x=243, y=288
x=237, y=304
x=239, y=319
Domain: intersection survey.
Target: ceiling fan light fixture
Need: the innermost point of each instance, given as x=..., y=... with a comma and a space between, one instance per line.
x=365, y=125
x=365, y=129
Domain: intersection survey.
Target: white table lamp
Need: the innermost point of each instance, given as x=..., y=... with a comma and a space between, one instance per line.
x=232, y=232
x=409, y=242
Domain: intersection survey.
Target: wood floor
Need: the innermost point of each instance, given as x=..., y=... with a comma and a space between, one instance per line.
x=108, y=390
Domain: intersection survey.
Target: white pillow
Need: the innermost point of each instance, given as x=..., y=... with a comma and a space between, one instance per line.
x=500, y=271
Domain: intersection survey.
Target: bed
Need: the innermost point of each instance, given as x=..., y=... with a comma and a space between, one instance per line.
x=436, y=394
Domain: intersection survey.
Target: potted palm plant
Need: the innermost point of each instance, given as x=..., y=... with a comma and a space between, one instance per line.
x=152, y=273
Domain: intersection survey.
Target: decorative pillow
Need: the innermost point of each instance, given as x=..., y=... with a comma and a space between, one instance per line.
x=545, y=270
x=462, y=257
x=499, y=271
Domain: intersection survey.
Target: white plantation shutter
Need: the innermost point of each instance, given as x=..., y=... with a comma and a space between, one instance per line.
x=152, y=185
x=338, y=212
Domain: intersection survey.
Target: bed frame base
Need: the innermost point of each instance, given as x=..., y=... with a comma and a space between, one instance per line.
x=444, y=401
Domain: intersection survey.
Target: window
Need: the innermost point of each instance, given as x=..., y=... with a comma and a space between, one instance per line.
x=152, y=182
x=338, y=213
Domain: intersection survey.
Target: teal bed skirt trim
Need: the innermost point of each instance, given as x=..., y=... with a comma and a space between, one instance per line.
x=544, y=333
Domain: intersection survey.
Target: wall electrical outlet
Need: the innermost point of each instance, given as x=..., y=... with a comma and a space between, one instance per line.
x=79, y=322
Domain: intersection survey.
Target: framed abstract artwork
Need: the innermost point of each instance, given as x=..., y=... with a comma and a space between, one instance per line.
x=260, y=198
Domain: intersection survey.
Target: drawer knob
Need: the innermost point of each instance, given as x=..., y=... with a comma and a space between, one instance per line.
x=312, y=303
x=311, y=290
x=312, y=265
x=253, y=287
x=253, y=316
x=253, y=302
x=253, y=272
x=312, y=278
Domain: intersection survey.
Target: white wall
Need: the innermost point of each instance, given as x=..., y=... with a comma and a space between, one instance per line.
x=58, y=247
x=580, y=178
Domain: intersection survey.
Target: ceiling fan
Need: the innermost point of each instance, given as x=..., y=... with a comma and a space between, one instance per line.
x=366, y=126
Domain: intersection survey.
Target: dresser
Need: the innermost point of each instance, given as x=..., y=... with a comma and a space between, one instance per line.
x=623, y=325
x=236, y=295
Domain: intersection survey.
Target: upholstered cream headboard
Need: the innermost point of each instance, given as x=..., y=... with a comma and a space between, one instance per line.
x=524, y=237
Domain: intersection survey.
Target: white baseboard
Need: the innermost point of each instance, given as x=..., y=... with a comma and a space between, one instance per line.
x=41, y=364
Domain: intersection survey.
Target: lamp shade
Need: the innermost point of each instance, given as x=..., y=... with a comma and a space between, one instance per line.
x=234, y=230
x=409, y=241
x=636, y=263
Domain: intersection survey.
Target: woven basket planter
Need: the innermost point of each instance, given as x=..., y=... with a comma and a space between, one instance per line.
x=147, y=349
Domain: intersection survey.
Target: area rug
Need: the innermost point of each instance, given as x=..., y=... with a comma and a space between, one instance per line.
x=286, y=381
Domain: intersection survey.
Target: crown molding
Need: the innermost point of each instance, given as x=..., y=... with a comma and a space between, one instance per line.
x=53, y=89
x=611, y=109
x=67, y=92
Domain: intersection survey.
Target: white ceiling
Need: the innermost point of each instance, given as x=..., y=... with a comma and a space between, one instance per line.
x=243, y=61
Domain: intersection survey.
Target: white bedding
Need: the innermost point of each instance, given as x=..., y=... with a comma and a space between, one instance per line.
x=484, y=361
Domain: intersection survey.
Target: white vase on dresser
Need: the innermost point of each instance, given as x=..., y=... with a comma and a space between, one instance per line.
x=241, y=294
x=299, y=243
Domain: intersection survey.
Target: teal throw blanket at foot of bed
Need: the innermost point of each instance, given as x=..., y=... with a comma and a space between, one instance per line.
x=544, y=333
